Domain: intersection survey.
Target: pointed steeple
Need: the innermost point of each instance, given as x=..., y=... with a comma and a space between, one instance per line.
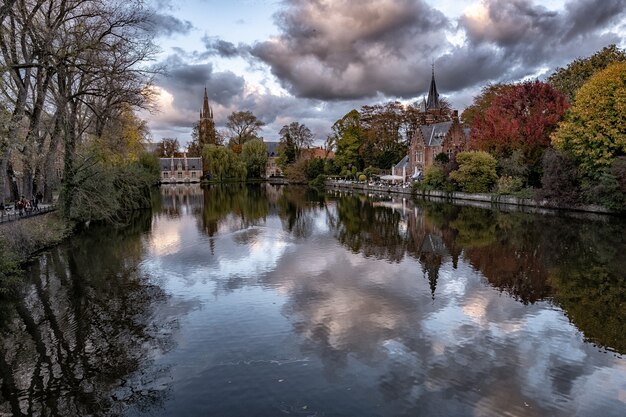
x=207, y=112
x=433, y=97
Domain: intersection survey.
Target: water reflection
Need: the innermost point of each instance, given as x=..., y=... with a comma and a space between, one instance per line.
x=299, y=303
x=87, y=323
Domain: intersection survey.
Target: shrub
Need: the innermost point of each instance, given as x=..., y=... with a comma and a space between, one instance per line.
x=331, y=168
x=9, y=270
x=314, y=168
x=561, y=178
x=618, y=169
x=476, y=173
x=604, y=190
x=509, y=185
x=319, y=182
x=362, y=178
x=434, y=179
x=513, y=165
x=295, y=173
x=442, y=158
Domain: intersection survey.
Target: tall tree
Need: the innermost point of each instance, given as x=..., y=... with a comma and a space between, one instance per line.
x=73, y=68
x=254, y=155
x=483, y=101
x=570, y=79
x=594, y=130
x=349, y=138
x=383, y=126
x=520, y=118
x=221, y=163
x=294, y=137
x=243, y=126
x=168, y=148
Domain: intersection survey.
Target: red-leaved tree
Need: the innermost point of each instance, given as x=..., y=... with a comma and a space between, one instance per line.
x=519, y=118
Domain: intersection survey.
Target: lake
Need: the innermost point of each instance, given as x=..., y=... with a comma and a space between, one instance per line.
x=270, y=301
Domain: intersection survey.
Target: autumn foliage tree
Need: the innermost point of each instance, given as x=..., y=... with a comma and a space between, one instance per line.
x=520, y=118
x=594, y=131
x=483, y=101
x=568, y=80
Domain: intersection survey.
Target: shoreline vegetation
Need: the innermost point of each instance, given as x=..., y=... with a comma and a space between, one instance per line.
x=110, y=197
x=484, y=200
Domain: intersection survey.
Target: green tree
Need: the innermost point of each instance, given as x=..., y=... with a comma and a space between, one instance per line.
x=594, y=130
x=222, y=163
x=254, y=155
x=293, y=138
x=349, y=138
x=168, y=147
x=476, y=173
x=568, y=80
x=243, y=126
x=384, y=126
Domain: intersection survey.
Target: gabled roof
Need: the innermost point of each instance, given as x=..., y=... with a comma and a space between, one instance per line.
x=404, y=163
x=434, y=134
x=192, y=163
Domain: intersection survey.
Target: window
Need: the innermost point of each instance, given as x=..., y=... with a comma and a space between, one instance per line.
x=166, y=175
x=450, y=152
x=180, y=175
x=419, y=156
x=193, y=174
x=434, y=154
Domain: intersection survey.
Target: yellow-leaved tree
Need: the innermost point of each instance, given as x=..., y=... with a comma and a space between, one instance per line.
x=594, y=130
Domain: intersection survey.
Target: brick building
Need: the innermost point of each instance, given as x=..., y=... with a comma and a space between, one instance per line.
x=438, y=133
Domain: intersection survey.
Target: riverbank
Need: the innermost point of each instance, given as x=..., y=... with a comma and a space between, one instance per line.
x=482, y=200
x=24, y=238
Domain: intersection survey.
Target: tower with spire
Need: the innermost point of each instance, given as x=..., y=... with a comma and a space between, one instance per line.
x=206, y=126
x=433, y=96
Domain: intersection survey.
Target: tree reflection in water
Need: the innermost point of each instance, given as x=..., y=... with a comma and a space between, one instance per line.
x=575, y=262
x=74, y=344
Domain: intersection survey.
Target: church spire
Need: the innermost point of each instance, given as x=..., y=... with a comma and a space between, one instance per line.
x=207, y=112
x=433, y=97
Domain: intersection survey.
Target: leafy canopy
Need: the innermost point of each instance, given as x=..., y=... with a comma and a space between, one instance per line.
x=594, y=131
x=254, y=155
x=476, y=173
x=568, y=80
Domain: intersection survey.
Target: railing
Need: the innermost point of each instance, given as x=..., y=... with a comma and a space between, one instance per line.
x=12, y=214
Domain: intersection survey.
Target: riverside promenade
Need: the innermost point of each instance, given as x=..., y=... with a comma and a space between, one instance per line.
x=11, y=214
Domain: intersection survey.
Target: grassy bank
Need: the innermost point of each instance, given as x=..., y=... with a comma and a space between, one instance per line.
x=20, y=240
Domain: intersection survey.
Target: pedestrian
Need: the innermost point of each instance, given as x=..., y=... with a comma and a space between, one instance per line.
x=19, y=207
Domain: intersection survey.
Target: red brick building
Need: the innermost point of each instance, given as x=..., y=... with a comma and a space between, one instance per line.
x=438, y=133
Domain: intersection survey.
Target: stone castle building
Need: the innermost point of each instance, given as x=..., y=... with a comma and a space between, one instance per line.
x=438, y=132
x=180, y=170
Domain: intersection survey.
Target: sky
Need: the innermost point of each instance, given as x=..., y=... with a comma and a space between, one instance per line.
x=312, y=61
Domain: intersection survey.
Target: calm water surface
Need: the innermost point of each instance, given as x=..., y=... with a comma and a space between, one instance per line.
x=265, y=301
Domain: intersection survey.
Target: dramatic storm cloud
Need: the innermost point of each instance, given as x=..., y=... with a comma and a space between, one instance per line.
x=334, y=50
x=314, y=60
x=507, y=40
